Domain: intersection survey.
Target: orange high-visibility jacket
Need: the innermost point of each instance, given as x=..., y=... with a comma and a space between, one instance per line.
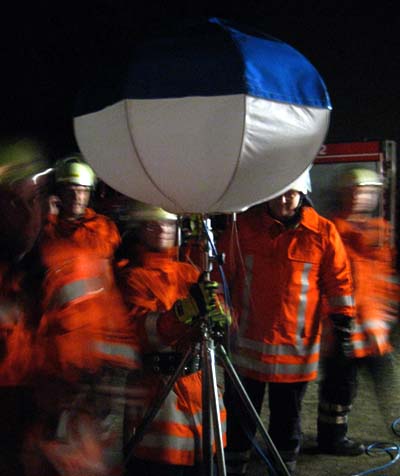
x=85, y=322
x=174, y=436
x=276, y=281
x=371, y=254
x=16, y=328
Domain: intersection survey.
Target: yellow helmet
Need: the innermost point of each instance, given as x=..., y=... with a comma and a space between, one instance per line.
x=359, y=177
x=20, y=160
x=74, y=170
x=140, y=211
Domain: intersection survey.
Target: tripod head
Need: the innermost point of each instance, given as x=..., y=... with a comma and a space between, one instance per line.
x=196, y=237
x=197, y=234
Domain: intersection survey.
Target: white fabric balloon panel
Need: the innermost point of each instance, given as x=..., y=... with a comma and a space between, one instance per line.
x=206, y=142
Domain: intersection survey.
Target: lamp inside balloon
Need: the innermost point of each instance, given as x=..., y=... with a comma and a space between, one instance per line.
x=213, y=119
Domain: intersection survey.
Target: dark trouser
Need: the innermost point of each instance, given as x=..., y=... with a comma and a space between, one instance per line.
x=17, y=412
x=140, y=467
x=382, y=371
x=338, y=389
x=285, y=400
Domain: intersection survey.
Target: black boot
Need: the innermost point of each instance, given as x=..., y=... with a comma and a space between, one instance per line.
x=237, y=462
x=343, y=447
x=290, y=460
x=332, y=436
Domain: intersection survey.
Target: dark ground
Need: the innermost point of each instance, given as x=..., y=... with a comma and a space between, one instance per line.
x=370, y=422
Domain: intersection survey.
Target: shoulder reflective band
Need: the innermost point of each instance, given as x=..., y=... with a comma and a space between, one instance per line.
x=336, y=301
x=75, y=290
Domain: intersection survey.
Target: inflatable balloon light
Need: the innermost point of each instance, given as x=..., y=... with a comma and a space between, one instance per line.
x=210, y=119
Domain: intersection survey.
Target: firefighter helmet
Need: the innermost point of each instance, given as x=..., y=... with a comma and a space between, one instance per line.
x=24, y=173
x=359, y=177
x=22, y=159
x=140, y=211
x=302, y=183
x=74, y=170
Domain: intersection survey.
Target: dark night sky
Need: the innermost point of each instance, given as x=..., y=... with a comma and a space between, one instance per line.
x=48, y=50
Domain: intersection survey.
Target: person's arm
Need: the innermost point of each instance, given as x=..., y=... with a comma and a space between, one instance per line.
x=337, y=284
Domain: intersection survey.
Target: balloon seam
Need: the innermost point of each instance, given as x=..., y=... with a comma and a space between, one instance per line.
x=238, y=157
x=140, y=159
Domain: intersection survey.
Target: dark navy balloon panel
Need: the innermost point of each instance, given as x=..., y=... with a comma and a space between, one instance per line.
x=203, y=63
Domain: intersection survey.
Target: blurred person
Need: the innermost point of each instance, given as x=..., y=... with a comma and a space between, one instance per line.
x=54, y=202
x=24, y=172
x=166, y=297
x=280, y=257
x=112, y=204
x=84, y=339
x=368, y=241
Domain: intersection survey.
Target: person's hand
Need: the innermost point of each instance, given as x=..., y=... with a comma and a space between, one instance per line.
x=202, y=300
x=219, y=316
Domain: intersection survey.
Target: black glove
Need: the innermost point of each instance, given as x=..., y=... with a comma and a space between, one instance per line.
x=343, y=330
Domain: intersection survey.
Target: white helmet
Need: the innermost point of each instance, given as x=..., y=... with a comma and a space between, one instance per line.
x=302, y=183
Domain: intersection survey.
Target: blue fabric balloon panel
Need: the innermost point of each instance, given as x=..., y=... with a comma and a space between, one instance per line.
x=207, y=120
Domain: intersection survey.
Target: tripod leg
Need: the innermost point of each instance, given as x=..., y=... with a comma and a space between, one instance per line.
x=213, y=397
x=230, y=370
x=155, y=407
x=207, y=463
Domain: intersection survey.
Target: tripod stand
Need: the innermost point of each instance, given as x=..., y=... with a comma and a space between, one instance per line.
x=211, y=347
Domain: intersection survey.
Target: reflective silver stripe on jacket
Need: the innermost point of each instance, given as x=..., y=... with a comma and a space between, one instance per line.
x=301, y=313
x=278, y=349
x=76, y=289
x=275, y=368
x=159, y=440
x=246, y=296
x=124, y=351
x=169, y=413
x=341, y=301
x=373, y=324
x=153, y=337
x=366, y=344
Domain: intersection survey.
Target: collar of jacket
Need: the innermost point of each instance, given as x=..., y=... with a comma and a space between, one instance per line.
x=157, y=259
x=309, y=219
x=56, y=226
x=89, y=215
